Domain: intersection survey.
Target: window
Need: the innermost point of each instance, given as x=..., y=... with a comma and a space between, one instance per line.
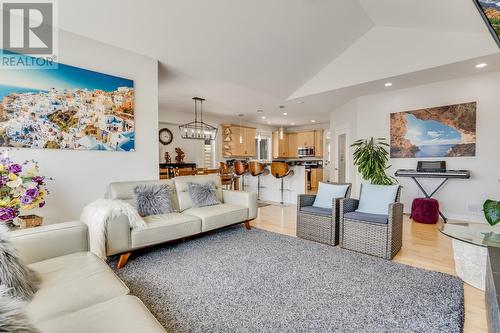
x=263, y=146
x=208, y=154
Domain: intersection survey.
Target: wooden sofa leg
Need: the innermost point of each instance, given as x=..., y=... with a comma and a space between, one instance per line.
x=123, y=260
x=247, y=225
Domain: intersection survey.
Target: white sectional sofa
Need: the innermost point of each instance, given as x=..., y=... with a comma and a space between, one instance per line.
x=236, y=207
x=78, y=292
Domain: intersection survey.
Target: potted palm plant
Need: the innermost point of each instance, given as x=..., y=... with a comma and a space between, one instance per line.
x=371, y=158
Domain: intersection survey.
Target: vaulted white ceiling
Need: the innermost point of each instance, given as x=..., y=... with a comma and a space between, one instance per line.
x=246, y=55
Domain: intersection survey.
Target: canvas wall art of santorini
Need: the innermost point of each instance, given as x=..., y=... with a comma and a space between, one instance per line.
x=66, y=108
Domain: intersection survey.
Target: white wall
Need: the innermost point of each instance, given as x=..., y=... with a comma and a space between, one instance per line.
x=192, y=148
x=460, y=199
x=82, y=176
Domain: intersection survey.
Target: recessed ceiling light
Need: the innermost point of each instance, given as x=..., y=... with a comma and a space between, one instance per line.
x=300, y=102
x=481, y=65
x=263, y=117
x=285, y=114
x=282, y=106
x=260, y=111
x=269, y=123
x=388, y=84
x=293, y=124
x=313, y=121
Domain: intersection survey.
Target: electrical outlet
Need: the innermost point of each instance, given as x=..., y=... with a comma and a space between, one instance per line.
x=474, y=207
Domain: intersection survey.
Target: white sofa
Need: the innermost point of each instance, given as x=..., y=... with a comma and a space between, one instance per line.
x=236, y=207
x=78, y=292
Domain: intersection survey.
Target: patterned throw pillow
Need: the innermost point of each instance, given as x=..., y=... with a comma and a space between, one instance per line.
x=154, y=199
x=20, y=281
x=203, y=194
x=12, y=315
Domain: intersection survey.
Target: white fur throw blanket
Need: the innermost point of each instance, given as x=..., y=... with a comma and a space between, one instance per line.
x=96, y=214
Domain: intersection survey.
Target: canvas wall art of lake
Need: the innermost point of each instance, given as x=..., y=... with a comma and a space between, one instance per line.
x=446, y=131
x=66, y=108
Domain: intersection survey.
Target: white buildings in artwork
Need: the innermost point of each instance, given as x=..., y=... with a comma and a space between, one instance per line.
x=69, y=119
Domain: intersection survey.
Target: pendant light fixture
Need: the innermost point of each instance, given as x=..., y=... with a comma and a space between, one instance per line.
x=197, y=129
x=241, y=115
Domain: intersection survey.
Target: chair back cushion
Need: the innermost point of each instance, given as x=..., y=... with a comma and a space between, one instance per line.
x=125, y=190
x=327, y=192
x=375, y=199
x=182, y=188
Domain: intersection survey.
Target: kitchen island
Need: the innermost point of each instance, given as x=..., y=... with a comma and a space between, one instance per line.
x=270, y=186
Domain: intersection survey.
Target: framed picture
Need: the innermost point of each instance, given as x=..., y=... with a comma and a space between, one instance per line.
x=445, y=131
x=490, y=11
x=66, y=108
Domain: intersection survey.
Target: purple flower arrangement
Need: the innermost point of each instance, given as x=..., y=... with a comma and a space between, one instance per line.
x=21, y=188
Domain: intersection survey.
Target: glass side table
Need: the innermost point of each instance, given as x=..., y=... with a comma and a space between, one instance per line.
x=470, y=248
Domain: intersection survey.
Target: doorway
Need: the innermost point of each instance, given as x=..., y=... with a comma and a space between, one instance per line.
x=341, y=155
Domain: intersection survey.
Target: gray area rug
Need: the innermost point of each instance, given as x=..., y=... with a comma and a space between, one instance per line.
x=236, y=280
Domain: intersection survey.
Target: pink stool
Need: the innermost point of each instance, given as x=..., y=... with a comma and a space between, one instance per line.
x=425, y=210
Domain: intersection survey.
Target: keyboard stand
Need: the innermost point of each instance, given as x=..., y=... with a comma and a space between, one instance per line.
x=433, y=192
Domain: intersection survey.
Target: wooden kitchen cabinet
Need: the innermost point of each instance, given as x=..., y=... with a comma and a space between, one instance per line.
x=287, y=147
x=292, y=145
x=318, y=143
x=316, y=177
x=249, y=142
x=280, y=146
x=233, y=146
x=305, y=139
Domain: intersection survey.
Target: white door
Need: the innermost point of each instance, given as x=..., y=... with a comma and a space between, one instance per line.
x=341, y=155
x=327, y=156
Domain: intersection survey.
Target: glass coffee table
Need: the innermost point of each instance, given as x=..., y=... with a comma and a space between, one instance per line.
x=470, y=248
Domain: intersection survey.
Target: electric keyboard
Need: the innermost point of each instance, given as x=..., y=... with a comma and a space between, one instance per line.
x=463, y=174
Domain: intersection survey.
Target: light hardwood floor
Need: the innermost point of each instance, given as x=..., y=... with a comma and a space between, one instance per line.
x=423, y=246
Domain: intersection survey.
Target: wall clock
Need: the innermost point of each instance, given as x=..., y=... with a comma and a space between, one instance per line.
x=165, y=136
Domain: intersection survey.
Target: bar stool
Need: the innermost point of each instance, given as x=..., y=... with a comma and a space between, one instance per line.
x=280, y=170
x=258, y=169
x=240, y=169
x=226, y=176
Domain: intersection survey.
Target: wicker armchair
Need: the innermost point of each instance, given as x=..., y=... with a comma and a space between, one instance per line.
x=383, y=240
x=316, y=225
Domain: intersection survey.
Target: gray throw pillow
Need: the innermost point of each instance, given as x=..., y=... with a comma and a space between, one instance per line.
x=203, y=194
x=12, y=315
x=20, y=281
x=154, y=199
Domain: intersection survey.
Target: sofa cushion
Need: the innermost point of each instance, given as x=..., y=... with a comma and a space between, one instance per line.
x=162, y=228
x=182, y=188
x=213, y=217
x=124, y=314
x=375, y=199
x=20, y=281
x=203, y=195
x=70, y=283
x=360, y=216
x=125, y=190
x=326, y=194
x=316, y=210
x=154, y=199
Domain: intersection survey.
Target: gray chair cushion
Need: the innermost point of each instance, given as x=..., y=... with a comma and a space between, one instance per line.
x=367, y=217
x=316, y=210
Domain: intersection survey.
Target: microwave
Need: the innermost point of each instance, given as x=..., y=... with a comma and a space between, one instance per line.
x=305, y=151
